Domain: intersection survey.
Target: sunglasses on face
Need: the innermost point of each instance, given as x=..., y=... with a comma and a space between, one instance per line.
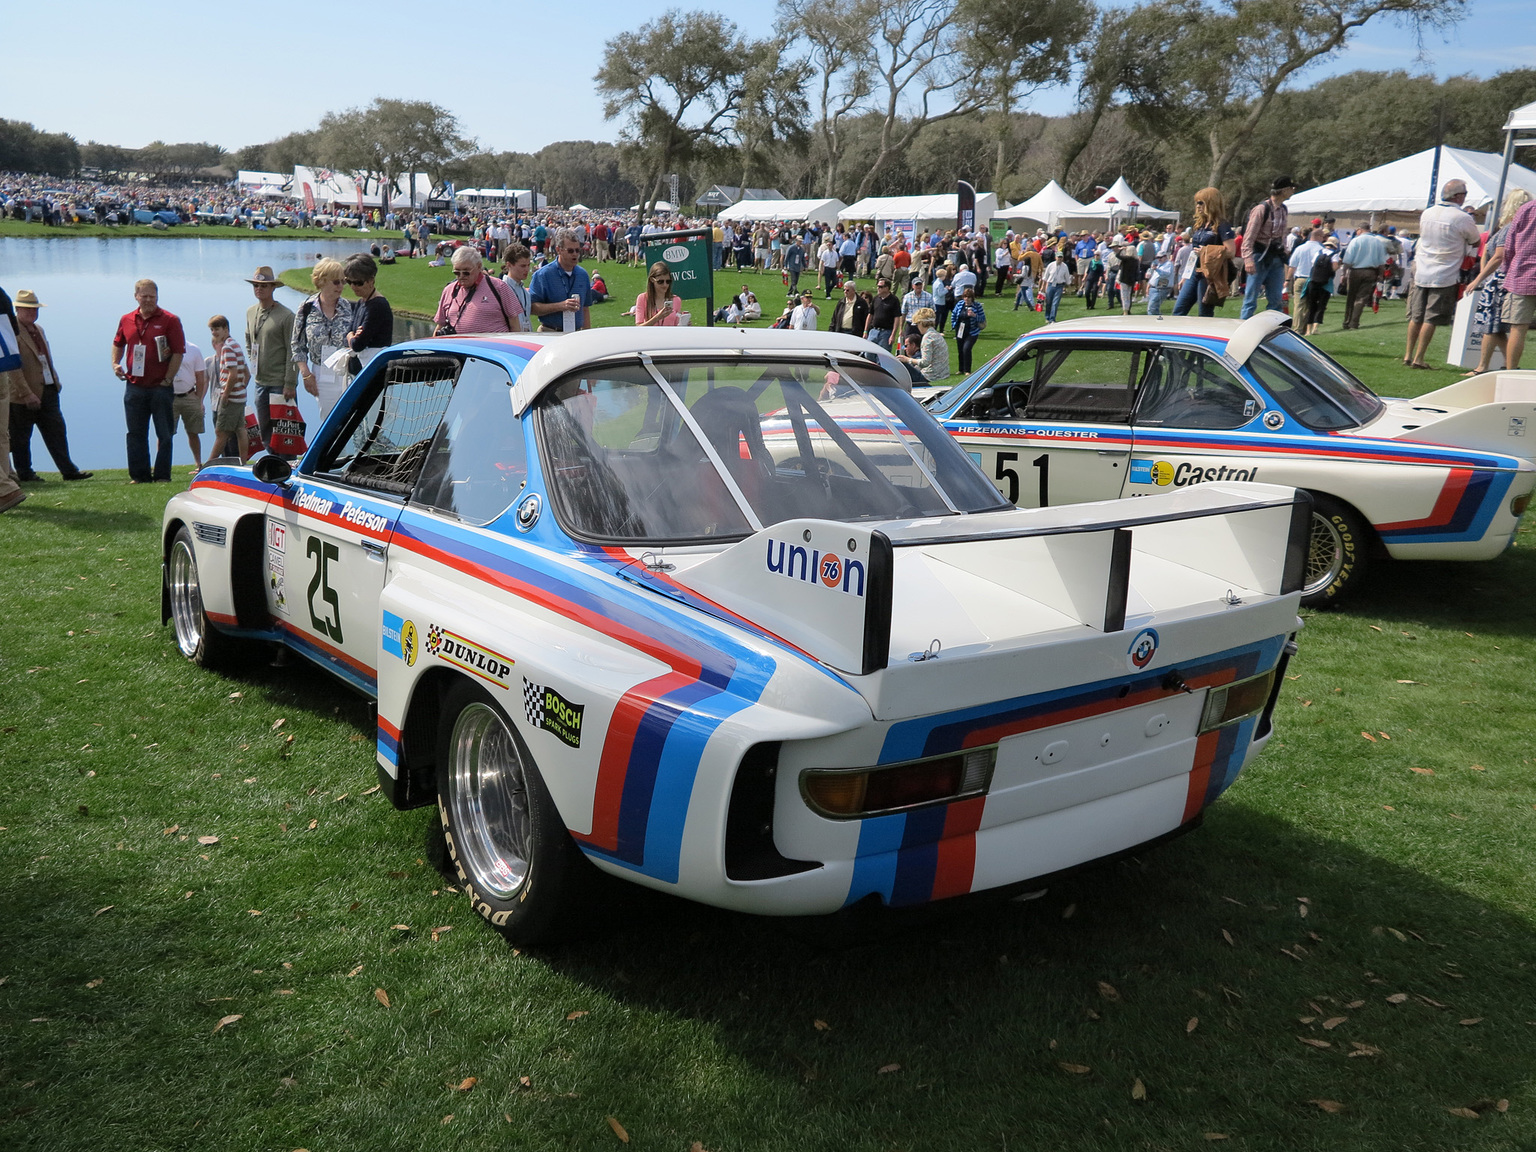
x=357, y=283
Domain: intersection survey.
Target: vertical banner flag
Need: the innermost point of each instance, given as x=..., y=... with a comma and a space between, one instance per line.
x=965, y=206
x=309, y=198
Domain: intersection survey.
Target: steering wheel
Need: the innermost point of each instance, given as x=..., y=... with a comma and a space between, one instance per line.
x=1014, y=406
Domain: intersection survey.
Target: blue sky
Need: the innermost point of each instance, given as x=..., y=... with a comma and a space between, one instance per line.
x=518, y=76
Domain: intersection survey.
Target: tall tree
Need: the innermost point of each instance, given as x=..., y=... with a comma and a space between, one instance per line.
x=1214, y=67
x=678, y=81
x=835, y=34
x=393, y=138
x=773, y=109
x=1014, y=49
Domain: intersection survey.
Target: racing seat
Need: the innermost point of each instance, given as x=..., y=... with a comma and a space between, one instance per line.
x=731, y=421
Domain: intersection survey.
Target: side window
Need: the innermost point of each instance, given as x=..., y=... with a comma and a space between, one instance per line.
x=384, y=441
x=1188, y=389
x=1008, y=395
x=1092, y=385
x=478, y=461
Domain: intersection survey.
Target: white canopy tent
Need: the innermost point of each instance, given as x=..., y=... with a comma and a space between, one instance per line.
x=330, y=187
x=1120, y=203
x=921, y=210
x=500, y=197
x=755, y=210
x=1046, y=207
x=260, y=182
x=661, y=206
x=1402, y=187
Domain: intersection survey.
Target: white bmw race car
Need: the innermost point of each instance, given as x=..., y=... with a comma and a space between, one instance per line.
x=609, y=622
x=1116, y=406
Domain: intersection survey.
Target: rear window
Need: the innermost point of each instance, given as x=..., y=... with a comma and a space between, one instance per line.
x=1314, y=388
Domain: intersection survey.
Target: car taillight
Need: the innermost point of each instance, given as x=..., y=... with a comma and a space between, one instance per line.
x=843, y=794
x=1236, y=701
x=1518, y=505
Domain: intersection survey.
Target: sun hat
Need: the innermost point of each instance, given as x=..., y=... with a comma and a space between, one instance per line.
x=27, y=298
x=264, y=275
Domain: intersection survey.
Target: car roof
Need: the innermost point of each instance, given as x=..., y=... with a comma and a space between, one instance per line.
x=1240, y=336
x=538, y=359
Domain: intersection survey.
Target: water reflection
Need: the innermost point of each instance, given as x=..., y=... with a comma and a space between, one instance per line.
x=86, y=284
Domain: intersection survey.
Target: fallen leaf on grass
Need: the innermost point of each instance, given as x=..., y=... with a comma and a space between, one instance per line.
x=576, y=1015
x=1227, y=936
x=255, y=911
x=276, y=724
x=1471, y=1020
x=371, y=791
x=1382, y=734
x=437, y=931
x=96, y=983
x=223, y=1020
x=1328, y=1105
x=887, y=1069
x=170, y=830
x=1369, y=737
x=381, y=996
x=1407, y=681
x=1075, y=1069
x=1501, y=1106
x=313, y=824
x=354, y=971
x=1389, y=808
x=1291, y=954
x=1464, y=1113
x=207, y=839
x=1305, y=1019
x=1108, y=991
x=401, y=927
x=821, y=1025
x=1353, y=1004
x=1066, y=913
x=466, y=1084
x=1333, y=1022
x=1373, y=628
x=1194, y=1022
x=524, y=1082
x=1314, y=1043
x=1364, y=1049
x=1398, y=934
x=108, y=908
x=1217, y=1136
x=1423, y=771
x=1431, y=1003
x=1138, y=1089
x=448, y=1119
x=618, y=1129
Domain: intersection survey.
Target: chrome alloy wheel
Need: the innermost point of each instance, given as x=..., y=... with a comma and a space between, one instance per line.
x=1325, y=555
x=488, y=801
x=186, y=598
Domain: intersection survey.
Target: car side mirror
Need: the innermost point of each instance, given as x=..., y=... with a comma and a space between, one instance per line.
x=979, y=406
x=273, y=470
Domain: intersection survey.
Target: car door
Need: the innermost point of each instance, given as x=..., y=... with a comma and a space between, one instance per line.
x=328, y=535
x=1195, y=422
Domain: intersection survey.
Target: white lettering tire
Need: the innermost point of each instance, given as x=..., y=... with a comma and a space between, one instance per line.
x=1338, y=554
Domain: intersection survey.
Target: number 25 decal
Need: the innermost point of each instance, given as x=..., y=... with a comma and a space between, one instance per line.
x=325, y=555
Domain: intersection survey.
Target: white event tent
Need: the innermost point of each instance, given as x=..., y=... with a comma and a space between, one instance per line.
x=1522, y=119
x=501, y=197
x=1120, y=203
x=338, y=188
x=262, y=183
x=661, y=206
x=1046, y=206
x=938, y=210
x=1401, y=188
x=755, y=210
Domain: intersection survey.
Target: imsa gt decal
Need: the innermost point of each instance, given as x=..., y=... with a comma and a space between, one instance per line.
x=547, y=709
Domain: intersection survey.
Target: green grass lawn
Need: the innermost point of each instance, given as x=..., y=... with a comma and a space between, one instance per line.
x=1374, y=352
x=1355, y=922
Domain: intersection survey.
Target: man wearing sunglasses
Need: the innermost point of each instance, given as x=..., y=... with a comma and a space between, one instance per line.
x=561, y=293
x=475, y=302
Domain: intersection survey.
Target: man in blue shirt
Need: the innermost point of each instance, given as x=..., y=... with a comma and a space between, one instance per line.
x=561, y=293
x=1364, y=258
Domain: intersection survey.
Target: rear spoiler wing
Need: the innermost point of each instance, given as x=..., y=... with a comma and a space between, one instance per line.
x=829, y=588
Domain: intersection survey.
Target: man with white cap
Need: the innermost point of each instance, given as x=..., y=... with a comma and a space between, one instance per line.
x=1447, y=236
x=36, y=403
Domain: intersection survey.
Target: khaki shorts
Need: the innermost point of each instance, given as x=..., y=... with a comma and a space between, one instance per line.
x=1435, y=306
x=1518, y=309
x=231, y=418
x=188, y=409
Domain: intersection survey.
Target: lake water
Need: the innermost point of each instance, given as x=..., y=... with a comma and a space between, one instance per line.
x=86, y=284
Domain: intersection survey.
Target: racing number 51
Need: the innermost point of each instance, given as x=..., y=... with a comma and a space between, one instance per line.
x=1042, y=464
x=325, y=555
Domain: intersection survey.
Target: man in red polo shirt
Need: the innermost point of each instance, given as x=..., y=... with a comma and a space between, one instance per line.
x=146, y=352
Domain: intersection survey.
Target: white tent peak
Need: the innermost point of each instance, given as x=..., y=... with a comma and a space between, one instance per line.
x=1522, y=118
x=816, y=209
x=1124, y=196
x=1047, y=206
x=919, y=208
x=1403, y=185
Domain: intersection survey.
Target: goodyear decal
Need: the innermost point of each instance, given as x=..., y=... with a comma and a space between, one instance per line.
x=547, y=709
x=1162, y=473
x=486, y=663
